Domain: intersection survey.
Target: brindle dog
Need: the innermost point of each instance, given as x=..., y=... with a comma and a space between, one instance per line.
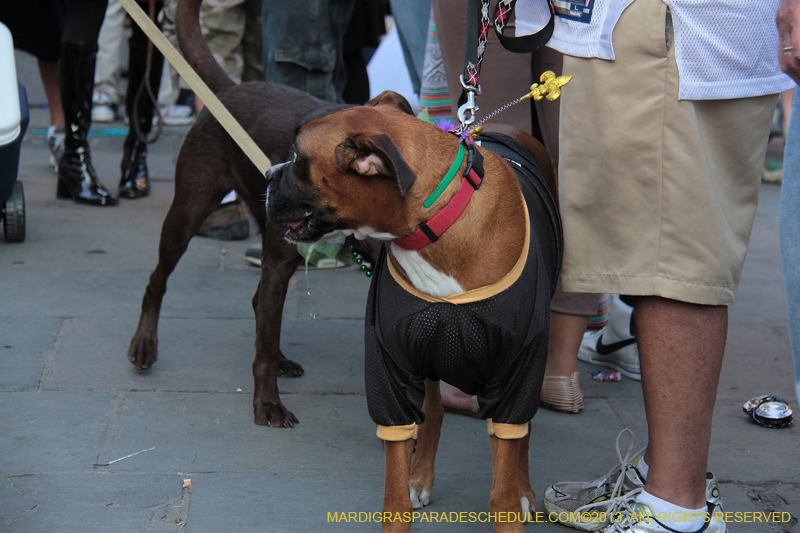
x=209, y=165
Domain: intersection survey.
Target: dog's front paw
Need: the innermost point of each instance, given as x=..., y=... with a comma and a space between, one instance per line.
x=143, y=351
x=420, y=482
x=420, y=497
x=527, y=500
x=290, y=369
x=528, y=508
x=273, y=414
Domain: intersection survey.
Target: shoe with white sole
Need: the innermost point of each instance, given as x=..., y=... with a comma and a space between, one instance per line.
x=589, y=505
x=103, y=109
x=615, y=345
x=176, y=115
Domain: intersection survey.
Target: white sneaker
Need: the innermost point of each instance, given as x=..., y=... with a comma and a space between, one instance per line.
x=591, y=505
x=175, y=115
x=615, y=345
x=642, y=519
x=103, y=109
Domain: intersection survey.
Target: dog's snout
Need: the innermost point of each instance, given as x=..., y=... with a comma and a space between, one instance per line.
x=274, y=170
x=271, y=173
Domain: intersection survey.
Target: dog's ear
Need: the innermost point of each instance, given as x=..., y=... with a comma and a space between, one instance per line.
x=393, y=99
x=375, y=155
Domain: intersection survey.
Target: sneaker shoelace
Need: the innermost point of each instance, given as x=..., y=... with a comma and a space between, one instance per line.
x=627, y=519
x=619, y=502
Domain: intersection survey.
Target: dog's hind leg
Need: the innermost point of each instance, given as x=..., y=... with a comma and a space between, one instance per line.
x=286, y=367
x=279, y=261
x=197, y=193
x=396, y=503
x=422, y=470
x=504, y=499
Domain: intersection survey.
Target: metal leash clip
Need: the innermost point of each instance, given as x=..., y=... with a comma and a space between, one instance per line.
x=468, y=107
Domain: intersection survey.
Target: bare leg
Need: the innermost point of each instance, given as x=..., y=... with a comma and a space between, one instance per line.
x=561, y=389
x=49, y=73
x=681, y=346
x=453, y=398
x=566, y=334
x=395, y=489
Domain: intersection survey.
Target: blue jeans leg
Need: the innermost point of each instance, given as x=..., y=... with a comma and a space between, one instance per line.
x=411, y=18
x=303, y=44
x=790, y=231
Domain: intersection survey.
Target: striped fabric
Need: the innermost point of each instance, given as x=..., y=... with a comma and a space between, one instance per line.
x=434, y=98
x=603, y=311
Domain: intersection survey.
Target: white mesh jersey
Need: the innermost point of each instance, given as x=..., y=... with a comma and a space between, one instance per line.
x=724, y=48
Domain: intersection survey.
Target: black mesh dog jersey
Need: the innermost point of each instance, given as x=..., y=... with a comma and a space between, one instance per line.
x=495, y=348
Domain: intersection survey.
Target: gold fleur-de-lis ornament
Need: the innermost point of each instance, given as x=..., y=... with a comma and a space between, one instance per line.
x=550, y=87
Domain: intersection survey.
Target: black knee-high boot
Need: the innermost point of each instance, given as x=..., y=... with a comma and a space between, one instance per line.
x=135, y=181
x=76, y=175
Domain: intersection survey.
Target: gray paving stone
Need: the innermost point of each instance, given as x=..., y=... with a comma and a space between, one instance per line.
x=207, y=355
x=215, y=433
x=53, y=431
x=92, y=503
x=735, y=500
x=26, y=345
x=746, y=453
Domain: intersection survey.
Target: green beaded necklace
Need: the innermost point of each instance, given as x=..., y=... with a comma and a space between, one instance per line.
x=359, y=259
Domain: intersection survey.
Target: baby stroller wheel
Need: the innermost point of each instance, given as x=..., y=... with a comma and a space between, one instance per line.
x=14, y=215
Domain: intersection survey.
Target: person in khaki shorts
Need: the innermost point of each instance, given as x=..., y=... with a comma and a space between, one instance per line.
x=664, y=129
x=232, y=30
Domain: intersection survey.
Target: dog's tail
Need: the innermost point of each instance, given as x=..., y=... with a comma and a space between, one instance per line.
x=194, y=47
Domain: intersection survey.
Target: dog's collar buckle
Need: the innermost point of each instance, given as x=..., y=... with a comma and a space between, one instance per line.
x=473, y=173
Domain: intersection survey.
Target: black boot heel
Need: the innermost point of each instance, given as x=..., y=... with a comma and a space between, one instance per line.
x=62, y=191
x=76, y=176
x=135, y=182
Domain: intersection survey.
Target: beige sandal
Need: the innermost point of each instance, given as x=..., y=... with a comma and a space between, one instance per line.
x=562, y=393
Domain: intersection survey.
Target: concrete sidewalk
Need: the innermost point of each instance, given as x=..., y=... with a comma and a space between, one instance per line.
x=69, y=303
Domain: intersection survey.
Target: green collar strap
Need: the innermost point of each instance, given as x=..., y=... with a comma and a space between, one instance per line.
x=447, y=179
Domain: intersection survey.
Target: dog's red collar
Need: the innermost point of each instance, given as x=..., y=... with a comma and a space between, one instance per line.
x=431, y=230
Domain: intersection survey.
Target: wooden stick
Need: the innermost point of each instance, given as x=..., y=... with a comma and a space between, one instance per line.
x=220, y=112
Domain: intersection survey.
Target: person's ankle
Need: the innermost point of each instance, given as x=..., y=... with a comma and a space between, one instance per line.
x=676, y=517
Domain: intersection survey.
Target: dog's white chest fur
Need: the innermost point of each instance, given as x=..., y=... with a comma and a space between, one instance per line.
x=423, y=276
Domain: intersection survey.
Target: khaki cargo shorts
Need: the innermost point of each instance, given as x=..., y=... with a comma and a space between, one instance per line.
x=658, y=195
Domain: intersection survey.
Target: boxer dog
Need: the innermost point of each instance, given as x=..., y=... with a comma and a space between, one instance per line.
x=462, y=288
x=210, y=165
